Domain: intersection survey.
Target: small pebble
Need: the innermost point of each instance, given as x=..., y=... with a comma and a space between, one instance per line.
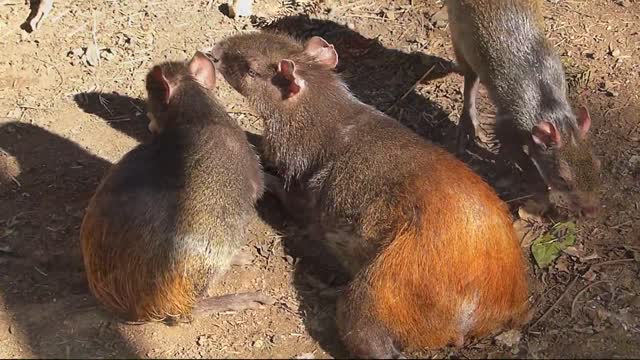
x=440, y=18
x=305, y=356
x=276, y=339
x=201, y=340
x=240, y=8
x=289, y=259
x=623, y=3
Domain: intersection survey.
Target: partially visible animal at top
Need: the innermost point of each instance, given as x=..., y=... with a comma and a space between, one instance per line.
x=502, y=45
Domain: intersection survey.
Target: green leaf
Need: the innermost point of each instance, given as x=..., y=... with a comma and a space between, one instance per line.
x=547, y=247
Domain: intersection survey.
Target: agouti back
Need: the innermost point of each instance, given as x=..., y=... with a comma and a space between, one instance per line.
x=432, y=250
x=502, y=44
x=170, y=215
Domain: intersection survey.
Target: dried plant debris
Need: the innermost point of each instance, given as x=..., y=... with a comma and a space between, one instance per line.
x=289, y=8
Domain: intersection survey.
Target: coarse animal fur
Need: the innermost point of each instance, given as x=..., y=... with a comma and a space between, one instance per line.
x=502, y=45
x=431, y=248
x=170, y=215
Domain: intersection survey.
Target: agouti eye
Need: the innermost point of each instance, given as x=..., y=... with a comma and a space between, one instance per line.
x=252, y=73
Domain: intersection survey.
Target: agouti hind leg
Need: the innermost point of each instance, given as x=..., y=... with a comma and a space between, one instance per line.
x=469, y=117
x=361, y=333
x=232, y=302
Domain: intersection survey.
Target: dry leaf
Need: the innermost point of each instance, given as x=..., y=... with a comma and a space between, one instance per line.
x=590, y=275
x=574, y=251
x=92, y=55
x=562, y=264
x=509, y=338
x=525, y=232
x=532, y=211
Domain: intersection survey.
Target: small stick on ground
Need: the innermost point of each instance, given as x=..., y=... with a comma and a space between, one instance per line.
x=575, y=299
x=569, y=287
x=411, y=88
x=520, y=198
x=232, y=302
x=613, y=262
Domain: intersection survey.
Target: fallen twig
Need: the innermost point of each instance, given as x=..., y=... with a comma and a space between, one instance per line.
x=411, y=88
x=569, y=287
x=575, y=299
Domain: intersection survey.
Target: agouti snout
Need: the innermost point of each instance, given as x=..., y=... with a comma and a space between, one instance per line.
x=502, y=44
x=171, y=214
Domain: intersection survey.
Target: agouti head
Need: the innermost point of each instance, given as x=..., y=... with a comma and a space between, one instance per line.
x=271, y=68
x=166, y=83
x=567, y=163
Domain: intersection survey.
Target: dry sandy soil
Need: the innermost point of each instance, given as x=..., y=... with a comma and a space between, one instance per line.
x=72, y=103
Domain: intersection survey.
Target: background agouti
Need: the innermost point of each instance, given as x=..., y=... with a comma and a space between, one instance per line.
x=172, y=213
x=502, y=44
x=431, y=248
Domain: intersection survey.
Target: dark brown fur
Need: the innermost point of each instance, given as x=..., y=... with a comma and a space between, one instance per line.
x=431, y=248
x=502, y=44
x=171, y=214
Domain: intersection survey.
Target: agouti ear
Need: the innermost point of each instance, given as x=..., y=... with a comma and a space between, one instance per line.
x=584, y=121
x=287, y=69
x=322, y=51
x=201, y=68
x=158, y=76
x=546, y=134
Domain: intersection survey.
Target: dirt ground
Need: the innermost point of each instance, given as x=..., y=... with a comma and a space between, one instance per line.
x=72, y=103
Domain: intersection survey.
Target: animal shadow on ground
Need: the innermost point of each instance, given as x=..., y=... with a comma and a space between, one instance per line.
x=127, y=114
x=121, y=112
x=386, y=79
x=45, y=184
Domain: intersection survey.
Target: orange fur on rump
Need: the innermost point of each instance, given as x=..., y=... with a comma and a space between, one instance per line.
x=136, y=288
x=455, y=269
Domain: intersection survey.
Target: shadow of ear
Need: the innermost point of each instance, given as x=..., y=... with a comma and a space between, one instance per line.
x=121, y=112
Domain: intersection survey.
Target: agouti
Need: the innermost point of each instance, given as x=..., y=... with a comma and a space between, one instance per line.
x=431, y=249
x=502, y=44
x=172, y=213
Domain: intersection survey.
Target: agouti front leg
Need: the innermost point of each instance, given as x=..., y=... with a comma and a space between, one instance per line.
x=469, y=117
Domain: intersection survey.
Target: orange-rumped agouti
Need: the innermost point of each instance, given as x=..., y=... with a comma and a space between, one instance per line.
x=431, y=249
x=171, y=214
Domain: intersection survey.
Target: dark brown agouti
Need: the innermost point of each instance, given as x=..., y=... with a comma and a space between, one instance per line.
x=171, y=215
x=431, y=248
x=502, y=44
